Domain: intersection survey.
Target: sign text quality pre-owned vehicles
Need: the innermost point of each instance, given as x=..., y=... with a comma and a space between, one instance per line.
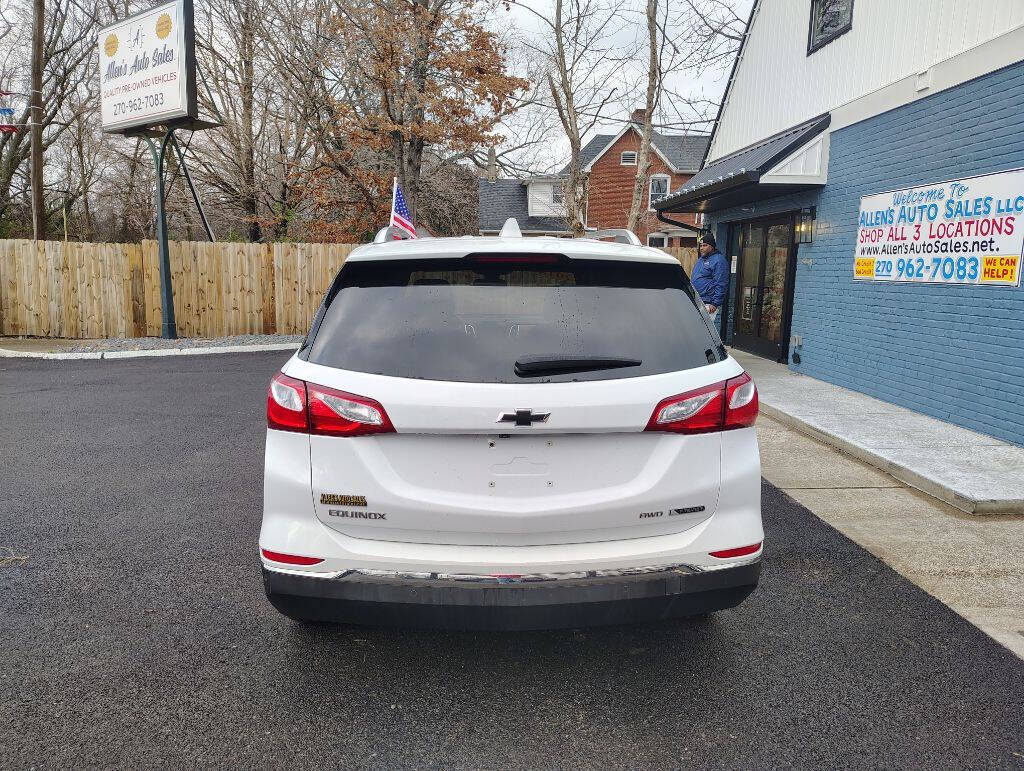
x=144, y=67
x=968, y=231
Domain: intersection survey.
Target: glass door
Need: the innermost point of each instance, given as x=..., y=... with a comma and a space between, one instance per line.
x=764, y=289
x=751, y=248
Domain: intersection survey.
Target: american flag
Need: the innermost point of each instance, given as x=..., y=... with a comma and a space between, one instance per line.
x=400, y=217
x=6, y=115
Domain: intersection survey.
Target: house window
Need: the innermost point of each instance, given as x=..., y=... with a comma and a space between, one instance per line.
x=658, y=240
x=829, y=20
x=628, y=158
x=659, y=189
x=557, y=194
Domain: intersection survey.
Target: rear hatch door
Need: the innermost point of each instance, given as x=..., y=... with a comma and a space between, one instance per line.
x=519, y=390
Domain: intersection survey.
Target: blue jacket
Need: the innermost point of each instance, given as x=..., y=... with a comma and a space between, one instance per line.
x=711, y=278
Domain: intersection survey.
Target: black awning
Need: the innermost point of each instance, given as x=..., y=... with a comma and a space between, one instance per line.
x=732, y=180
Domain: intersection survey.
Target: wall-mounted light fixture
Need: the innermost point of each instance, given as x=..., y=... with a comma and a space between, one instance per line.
x=804, y=226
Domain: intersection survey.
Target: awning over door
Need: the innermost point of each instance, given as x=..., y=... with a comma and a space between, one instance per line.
x=788, y=162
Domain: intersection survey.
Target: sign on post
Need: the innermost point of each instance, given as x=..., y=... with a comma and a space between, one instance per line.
x=967, y=231
x=147, y=68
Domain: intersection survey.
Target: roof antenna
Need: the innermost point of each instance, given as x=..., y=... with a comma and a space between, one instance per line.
x=510, y=229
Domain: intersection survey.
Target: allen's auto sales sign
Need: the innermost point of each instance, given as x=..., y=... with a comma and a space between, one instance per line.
x=147, y=66
x=966, y=231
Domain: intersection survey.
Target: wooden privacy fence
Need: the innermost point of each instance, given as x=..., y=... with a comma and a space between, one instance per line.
x=686, y=256
x=83, y=290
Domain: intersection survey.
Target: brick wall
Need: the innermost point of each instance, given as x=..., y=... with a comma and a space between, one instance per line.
x=954, y=352
x=611, y=189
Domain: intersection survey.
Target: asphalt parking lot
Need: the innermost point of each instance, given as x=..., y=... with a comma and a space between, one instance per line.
x=134, y=630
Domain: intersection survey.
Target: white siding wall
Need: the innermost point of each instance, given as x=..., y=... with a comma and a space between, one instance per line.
x=777, y=85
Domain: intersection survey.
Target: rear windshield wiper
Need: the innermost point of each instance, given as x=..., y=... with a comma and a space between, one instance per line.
x=535, y=366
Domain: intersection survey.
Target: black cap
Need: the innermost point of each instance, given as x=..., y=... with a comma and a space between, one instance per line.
x=707, y=238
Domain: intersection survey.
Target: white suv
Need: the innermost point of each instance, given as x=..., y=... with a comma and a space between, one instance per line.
x=510, y=433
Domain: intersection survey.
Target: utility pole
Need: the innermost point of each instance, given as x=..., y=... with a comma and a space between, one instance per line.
x=36, y=113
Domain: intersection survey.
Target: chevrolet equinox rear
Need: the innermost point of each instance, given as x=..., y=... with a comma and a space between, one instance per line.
x=510, y=433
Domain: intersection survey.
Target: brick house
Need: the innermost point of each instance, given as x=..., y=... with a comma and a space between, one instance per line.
x=609, y=161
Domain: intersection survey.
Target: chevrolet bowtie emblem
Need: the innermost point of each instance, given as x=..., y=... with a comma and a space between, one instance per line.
x=523, y=417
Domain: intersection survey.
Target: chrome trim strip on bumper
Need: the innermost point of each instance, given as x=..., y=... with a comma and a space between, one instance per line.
x=516, y=578
x=303, y=573
x=733, y=564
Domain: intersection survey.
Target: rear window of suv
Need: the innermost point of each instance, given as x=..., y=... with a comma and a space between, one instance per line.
x=472, y=319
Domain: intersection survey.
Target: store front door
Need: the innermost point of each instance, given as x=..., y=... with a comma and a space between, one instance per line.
x=764, y=283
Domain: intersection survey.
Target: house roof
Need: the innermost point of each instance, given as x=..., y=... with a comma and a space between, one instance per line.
x=592, y=149
x=743, y=167
x=682, y=152
x=506, y=198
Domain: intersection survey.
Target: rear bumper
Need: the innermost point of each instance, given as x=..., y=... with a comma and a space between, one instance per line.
x=440, y=603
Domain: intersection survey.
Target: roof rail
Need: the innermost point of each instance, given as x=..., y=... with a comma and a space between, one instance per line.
x=391, y=233
x=621, y=235
x=388, y=233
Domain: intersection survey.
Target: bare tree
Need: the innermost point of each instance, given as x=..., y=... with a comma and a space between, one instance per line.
x=703, y=36
x=301, y=101
x=652, y=97
x=716, y=33
x=530, y=130
x=67, y=85
x=228, y=35
x=714, y=30
x=581, y=55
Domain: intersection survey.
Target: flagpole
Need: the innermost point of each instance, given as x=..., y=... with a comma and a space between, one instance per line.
x=394, y=195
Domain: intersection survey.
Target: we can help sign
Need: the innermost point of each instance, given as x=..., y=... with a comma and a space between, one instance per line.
x=967, y=231
x=147, y=68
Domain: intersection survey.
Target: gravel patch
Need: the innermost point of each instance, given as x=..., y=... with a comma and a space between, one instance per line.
x=158, y=343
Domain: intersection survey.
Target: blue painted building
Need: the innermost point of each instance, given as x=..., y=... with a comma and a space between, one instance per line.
x=862, y=179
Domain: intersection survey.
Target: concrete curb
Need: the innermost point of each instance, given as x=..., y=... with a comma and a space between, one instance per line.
x=924, y=484
x=7, y=353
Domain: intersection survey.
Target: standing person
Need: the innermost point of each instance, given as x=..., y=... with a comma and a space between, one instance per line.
x=711, y=276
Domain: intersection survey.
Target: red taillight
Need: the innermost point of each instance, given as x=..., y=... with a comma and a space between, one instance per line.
x=290, y=559
x=718, y=407
x=286, y=404
x=740, y=402
x=295, y=405
x=695, y=412
x=739, y=551
x=337, y=413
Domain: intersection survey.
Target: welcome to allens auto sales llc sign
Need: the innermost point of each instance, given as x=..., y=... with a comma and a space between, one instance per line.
x=147, y=68
x=966, y=231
